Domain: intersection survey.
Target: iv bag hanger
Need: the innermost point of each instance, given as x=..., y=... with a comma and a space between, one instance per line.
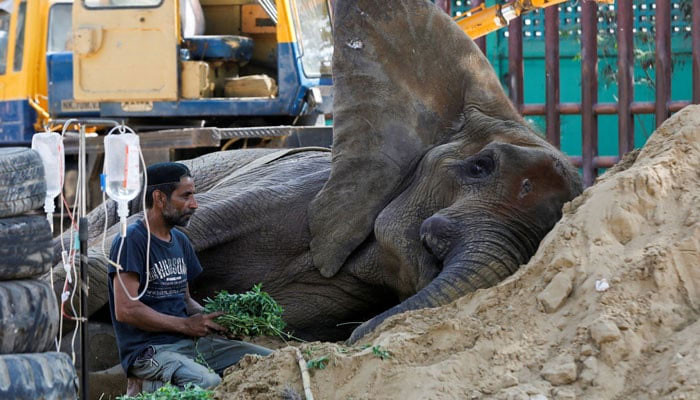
x=81, y=214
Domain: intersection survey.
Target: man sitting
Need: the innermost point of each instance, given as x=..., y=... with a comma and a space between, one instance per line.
x=161, y=334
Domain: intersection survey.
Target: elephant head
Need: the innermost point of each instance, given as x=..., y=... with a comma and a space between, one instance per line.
x=430, y=159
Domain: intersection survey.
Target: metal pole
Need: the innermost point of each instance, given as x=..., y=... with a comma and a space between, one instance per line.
x=589, y=86
x=625, y=76
x=83, y=286
x=637, y=107
x=589, y=89
x=445, y=6
x=515, y=62
x=551, y=34
x=83, y=236
x=663, y=59
x=696, y=51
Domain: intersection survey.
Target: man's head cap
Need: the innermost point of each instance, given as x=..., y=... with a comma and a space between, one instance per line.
x=166, y=172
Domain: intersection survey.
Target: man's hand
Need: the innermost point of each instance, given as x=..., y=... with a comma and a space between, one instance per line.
x=199, y=325
x=138, y=314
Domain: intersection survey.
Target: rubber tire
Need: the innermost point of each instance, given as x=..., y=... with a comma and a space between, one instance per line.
x=28, y=317
x=27, y=247
x=37, y=376
x=22, y=183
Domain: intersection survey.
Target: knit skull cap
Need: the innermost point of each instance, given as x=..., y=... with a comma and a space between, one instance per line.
x=166, y=172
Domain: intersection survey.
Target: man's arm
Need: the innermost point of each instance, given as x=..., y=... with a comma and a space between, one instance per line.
x=193, y=307
x=137, y=314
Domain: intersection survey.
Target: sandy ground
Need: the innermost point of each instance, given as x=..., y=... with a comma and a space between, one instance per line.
x=606, y=309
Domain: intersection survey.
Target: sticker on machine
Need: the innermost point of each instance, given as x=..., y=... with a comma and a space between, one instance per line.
x=72, y=105
x=137, y=106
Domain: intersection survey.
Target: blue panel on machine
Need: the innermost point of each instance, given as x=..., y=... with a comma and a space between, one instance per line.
x=17, y=119
x=60, y=75
x=221, y=47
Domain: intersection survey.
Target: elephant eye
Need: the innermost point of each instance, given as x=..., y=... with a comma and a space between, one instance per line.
x=480, y=167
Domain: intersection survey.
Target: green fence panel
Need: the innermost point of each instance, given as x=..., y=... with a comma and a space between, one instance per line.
x=570, y=66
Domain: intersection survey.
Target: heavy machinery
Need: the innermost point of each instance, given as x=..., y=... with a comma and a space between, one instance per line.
x=187, y=73
x=481, y=20
x=164, y=65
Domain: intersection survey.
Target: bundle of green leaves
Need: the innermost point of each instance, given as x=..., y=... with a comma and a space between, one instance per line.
x=253, y=313
x=169, y=392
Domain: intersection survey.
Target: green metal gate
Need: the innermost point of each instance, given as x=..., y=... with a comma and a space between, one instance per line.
x=570, y=37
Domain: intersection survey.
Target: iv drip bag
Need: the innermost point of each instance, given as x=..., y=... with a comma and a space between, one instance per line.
x=49, y=145
x=122, y=170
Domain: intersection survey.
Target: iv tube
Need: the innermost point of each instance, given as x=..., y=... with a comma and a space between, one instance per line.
x=49, y=145
x=123, y=170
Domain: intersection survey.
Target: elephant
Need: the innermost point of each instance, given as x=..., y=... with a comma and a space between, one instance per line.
x=435, y=185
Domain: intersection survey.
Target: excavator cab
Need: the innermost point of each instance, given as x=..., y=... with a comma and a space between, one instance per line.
x=166, y=63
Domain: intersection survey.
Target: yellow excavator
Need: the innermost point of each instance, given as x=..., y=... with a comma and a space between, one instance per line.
x=482, y=20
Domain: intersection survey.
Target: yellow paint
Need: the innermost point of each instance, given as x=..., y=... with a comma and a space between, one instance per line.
x=126, y=54
x=30, y=81
x=482, y=20
x=39, y=89
x=121, y=59
x=41, y=112
x=177, y=22
x=285, y=31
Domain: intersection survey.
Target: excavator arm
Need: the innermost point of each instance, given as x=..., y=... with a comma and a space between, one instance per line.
x=482, y=20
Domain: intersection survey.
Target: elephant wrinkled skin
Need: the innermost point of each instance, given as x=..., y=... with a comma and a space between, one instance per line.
x=435, y=186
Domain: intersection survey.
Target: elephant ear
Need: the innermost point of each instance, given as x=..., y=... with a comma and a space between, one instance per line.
x=403, y=73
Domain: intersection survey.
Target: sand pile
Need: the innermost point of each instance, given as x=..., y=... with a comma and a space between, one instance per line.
x=607, y=309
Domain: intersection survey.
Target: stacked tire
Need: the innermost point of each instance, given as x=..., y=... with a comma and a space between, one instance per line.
x=28, y=307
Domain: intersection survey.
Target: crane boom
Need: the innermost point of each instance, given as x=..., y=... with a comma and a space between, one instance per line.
x=482, y=20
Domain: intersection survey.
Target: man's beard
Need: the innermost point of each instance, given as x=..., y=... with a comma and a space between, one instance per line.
x=175, y=218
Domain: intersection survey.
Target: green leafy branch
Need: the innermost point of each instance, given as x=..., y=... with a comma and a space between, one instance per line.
x=318, y=363
x=381, y=352
x=253, y=313
x=169, y=392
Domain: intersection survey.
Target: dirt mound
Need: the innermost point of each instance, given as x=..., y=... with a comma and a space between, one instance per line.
x=607, y=308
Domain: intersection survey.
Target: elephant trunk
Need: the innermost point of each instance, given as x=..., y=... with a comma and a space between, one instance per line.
x=491, y=251
x=490, y=254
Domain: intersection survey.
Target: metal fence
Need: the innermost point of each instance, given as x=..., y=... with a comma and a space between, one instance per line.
x=589, y=108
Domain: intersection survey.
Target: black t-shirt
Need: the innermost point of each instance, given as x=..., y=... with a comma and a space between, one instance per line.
x=172, y=265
